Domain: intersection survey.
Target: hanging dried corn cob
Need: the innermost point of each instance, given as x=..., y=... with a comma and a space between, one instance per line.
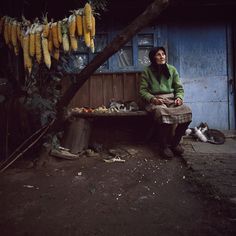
x=27, y=58
x=25, y=26
x=38, y=46
x=92, y=47
x=65, y=39
x=45, y=27
x=79, y=22
x=88, y=15
x=32, y=41
x=45, y=44
x=72, y=25
x=54, y=30
x=93, y=30
x=50, y=39
x=86, y=33
x=72, y=28
x=56, y=53
x=46, y=54
x=59, y=34
x=74, y=43
x=14, y=37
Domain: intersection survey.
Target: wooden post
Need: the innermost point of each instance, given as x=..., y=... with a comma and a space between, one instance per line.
x=77, y=135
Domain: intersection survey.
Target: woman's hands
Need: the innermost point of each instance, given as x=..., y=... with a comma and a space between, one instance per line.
x=160, y=101
x=178, y=102
x=157, y=101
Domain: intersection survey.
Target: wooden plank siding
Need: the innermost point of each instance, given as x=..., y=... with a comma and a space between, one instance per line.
x=101, y=88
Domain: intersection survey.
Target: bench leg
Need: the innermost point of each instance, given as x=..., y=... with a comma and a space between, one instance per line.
x=77, y=135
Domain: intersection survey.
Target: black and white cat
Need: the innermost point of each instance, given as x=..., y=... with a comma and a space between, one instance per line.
x=205, y=134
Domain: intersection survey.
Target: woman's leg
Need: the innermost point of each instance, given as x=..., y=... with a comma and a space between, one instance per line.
x=164, y=133
x=163, y=137
x=179, y=132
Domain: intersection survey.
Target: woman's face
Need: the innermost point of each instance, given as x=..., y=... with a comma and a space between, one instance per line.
x=160, y=57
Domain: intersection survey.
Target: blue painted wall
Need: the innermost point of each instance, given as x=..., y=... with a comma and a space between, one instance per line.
x=200, y=53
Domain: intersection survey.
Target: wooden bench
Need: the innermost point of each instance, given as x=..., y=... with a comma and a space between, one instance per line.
x=86, y=128
x=111, y=114
x=98, y=91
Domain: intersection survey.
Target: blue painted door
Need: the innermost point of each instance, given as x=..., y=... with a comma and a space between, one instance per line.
x=200, y=52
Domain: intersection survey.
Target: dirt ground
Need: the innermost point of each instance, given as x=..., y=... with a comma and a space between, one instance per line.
x=144, y=195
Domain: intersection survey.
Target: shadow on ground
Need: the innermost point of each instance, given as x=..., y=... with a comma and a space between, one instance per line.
x=144, y=195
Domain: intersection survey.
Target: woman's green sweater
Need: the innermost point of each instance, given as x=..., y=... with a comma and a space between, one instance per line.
x=150, y=85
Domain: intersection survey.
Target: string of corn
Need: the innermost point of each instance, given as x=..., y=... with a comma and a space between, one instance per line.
x=38, y=43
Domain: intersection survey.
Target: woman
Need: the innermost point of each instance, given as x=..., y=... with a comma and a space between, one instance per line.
x=163, y=94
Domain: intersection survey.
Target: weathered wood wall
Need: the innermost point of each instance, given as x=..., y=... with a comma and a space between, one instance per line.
x=99, y=89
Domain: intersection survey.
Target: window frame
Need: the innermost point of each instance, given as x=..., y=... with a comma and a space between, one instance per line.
x=159, y=38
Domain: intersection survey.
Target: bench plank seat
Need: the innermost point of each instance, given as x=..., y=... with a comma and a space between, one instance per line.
x=111, y=114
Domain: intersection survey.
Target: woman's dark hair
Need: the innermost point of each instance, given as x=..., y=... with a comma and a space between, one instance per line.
x=158, y=69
